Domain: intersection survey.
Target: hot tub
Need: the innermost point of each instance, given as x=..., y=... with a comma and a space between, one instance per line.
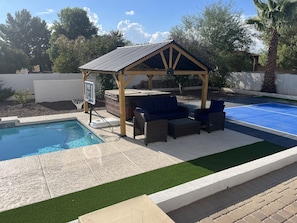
x=112, y=100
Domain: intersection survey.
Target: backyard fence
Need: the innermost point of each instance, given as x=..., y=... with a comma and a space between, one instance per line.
x=286, y=83
x=50, y=87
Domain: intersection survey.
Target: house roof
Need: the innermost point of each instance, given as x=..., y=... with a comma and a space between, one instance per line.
x=122, y=57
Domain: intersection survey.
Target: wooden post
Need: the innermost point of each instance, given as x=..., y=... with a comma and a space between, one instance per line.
x=204, y=90
x=150, y=81
x=84, y=77
x=122, y=103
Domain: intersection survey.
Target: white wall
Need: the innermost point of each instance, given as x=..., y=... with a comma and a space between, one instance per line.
x=246, y=80
x=58, y=87
x=25, y=81
x=57, y=90
x=286, y=83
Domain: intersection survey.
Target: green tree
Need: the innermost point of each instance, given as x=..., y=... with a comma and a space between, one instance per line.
x=5, y=92
x=29, y=34
x=100, y=45
x=11, y=59
x=215, y=36
x=75, y=28
x=287, y=48
x=73, y=23
x=67, y=55
x=273, y=17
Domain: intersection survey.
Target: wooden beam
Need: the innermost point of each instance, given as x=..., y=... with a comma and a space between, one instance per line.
x=129, y=80
x=176, y=60
x=85, y=75
x=164, y=72
x=127, y=69
x=190, y=57
x=100, y=72
x=116, y=80
x=164, y=60
x=150, y=82
x=122, y=104
x=170, y=56
x=204, y=91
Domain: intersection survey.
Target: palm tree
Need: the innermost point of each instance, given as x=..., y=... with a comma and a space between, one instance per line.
x=273, y=16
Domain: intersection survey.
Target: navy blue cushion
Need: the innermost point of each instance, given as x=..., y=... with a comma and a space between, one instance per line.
x=202, y=117
x=171, y=103
x=147, y=115
x=170, y=115
x=216, y=106
x=159, y=104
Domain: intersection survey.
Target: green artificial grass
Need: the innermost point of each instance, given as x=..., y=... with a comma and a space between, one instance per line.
x=71, y=206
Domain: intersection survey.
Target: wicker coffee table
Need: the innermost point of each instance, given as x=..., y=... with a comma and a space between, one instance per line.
x=182, y=127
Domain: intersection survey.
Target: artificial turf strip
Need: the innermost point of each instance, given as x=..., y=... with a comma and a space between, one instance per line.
x=71, y=206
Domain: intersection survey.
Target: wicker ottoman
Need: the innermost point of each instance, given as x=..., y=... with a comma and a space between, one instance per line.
x=182, y=127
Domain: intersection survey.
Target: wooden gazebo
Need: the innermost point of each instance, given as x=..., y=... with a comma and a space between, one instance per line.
x=165, y=58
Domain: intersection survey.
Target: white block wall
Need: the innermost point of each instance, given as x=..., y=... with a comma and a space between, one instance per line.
x=57, y=90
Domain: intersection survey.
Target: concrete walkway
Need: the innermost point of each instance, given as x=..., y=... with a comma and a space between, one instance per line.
x=270, y=198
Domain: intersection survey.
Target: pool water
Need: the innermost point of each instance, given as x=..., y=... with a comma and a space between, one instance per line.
x=43, y=138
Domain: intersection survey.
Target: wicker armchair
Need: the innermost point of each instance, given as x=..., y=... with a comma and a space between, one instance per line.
x=213, y=118
x=153, y=130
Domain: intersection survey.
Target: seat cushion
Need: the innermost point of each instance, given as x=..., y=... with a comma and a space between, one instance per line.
x=216, y=106
x=202, y=117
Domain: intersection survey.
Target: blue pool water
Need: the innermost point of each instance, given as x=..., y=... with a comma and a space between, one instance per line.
x=43, y=138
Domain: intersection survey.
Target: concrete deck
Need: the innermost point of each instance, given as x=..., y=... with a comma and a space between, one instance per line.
x=32, y=179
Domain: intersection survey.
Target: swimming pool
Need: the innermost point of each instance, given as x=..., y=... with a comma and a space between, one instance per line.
x=29, y=140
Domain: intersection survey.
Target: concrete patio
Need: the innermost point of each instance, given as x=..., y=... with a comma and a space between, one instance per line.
x=32, y=179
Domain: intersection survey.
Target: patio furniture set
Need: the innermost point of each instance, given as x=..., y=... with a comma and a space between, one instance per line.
x=156, y=117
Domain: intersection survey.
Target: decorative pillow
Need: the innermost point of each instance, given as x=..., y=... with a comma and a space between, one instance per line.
x=171, y=103
x=216, y=106
x=159, y=104
x=146, y=103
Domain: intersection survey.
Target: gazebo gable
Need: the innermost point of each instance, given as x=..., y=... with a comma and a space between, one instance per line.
x=171, y=56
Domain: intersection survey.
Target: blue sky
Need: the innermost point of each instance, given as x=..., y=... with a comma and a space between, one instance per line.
x=140, y=21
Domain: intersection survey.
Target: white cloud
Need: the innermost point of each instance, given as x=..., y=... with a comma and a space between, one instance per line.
x=48, y=11
x=131, y=12
x=136, y=34
x=92, y=16
x=94, y=19
x=159, y=37
x=257, y=44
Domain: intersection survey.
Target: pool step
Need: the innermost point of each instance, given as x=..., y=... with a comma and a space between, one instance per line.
x=105, y=122
x=9, y=122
